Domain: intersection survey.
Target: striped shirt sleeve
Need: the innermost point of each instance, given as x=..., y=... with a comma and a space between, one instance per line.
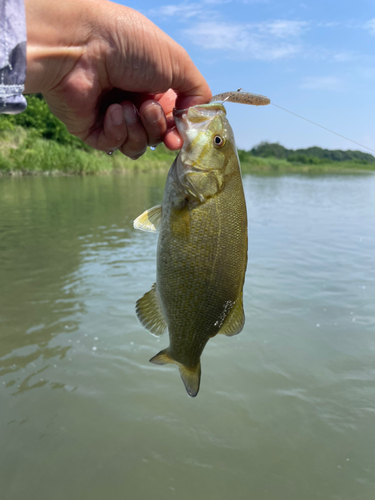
x=12, y=56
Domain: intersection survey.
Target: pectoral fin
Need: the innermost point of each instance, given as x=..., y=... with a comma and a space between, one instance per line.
x=235, y=320
x=149, y=312
x=150, y=220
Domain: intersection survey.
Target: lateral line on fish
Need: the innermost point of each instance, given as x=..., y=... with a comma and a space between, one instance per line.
x=202, y=247
x=324, y=128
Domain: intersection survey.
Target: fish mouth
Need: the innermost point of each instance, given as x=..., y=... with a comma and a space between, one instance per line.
x=192, y=120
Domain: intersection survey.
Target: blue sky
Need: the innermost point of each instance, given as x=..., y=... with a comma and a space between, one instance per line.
x=316, y=59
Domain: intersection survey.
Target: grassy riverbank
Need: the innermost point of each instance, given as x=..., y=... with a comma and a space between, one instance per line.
x=267, y=166
x=23, y=152
x=35, y=142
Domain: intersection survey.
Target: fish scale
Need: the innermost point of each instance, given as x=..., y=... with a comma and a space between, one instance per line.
x=202, y=247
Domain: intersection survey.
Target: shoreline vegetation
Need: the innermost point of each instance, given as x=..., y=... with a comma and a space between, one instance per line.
x=37, y=143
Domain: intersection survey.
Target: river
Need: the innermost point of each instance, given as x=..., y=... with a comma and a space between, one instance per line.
x=286, y=409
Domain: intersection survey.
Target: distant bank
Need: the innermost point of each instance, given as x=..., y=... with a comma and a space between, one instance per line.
x=36, y=142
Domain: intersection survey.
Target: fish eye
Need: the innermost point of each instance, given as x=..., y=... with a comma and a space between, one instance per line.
x=218, y=140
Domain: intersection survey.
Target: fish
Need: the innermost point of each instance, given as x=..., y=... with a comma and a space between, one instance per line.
x=202, y=244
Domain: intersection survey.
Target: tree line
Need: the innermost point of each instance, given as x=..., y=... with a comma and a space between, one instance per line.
x=314, y=154
x=45, y=125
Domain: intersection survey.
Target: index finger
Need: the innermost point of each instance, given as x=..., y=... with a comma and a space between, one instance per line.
x=172, y=138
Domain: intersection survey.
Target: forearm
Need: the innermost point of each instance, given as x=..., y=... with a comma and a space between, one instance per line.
x=105, y=71
x=58, y=34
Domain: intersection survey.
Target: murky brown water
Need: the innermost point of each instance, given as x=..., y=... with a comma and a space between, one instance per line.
x=286, y=409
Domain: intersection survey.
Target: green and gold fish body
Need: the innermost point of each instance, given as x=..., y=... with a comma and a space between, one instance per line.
x=202, y=247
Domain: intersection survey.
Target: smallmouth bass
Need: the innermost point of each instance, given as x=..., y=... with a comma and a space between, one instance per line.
x=202, y=246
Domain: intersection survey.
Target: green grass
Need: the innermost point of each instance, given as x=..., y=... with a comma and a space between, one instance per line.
x=266, y=166
x=36, y=142
x=24, y=152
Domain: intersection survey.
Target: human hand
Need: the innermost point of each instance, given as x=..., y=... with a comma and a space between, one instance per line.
x=107, y=73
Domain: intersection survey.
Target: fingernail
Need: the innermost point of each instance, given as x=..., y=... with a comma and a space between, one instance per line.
x=116, y=114
x=152, y=113
x=130, y=114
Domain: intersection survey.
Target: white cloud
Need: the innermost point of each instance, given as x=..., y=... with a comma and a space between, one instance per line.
x=205, y=9
x=245, y=41
x=282, y=28
x=345, y=56
x=370, y=26
x=216, y=2
x=180, y=11
x=328, y=24
x=267, y=40
x=322, y=83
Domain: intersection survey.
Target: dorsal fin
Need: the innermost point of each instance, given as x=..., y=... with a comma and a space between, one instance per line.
x=150, y=220
x=235, y=320
x=149, y=312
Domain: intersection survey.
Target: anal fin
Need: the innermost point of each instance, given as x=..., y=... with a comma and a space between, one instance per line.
x=235, y=320
x=149, y=312
x=150, y=220
x=162, y=358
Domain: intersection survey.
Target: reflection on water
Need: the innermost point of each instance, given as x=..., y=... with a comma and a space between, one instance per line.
x=54, y=240
x=287, y=408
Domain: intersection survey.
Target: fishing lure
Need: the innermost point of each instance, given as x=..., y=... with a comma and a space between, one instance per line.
x=242, y=97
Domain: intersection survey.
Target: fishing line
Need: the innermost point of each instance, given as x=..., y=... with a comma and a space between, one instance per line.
x=244, y=97
x=325, y=128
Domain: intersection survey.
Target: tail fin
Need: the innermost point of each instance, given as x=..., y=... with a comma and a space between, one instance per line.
x=191, y=377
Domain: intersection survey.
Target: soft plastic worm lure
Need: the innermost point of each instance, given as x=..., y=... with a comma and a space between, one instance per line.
x=242, y=97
